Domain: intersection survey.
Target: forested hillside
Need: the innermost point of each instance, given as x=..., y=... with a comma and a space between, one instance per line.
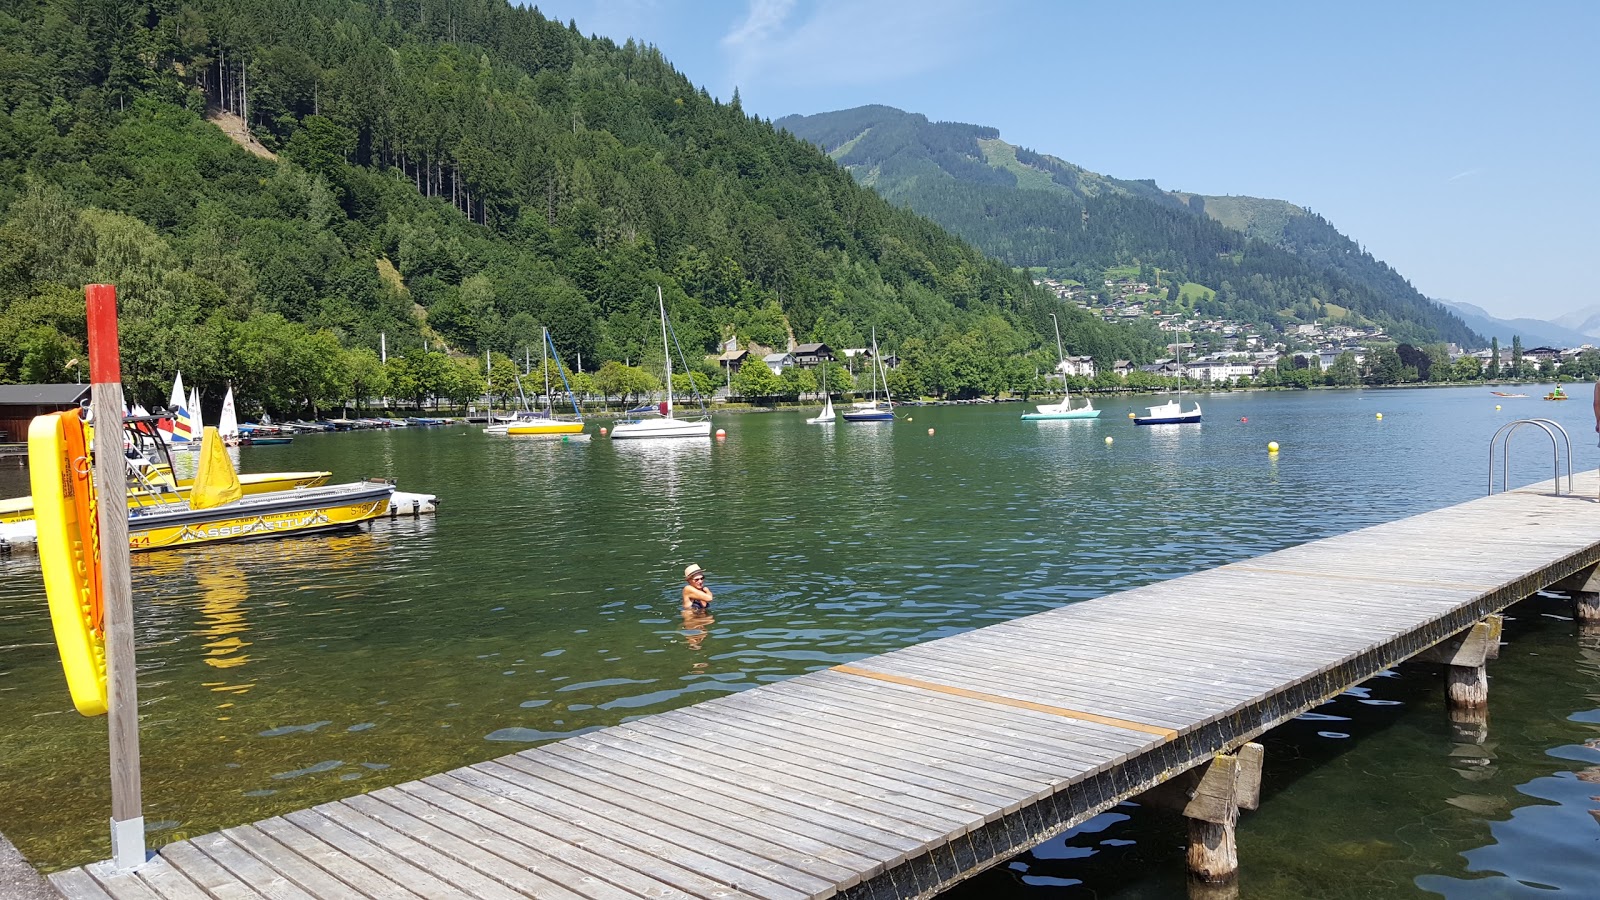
x=1031, y=209
x=449, y=173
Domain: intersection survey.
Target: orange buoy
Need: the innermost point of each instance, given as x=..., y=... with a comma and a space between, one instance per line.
x=602, y=431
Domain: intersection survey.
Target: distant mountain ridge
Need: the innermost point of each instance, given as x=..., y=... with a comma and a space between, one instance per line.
x=1267, y=259
x=1534, y=332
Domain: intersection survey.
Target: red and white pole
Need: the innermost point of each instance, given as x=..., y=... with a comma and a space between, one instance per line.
x=111, y=487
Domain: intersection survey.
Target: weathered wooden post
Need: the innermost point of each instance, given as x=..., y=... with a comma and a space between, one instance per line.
x=1465, y=657
x=1210, y=797
x=1585, y=589
x=111, y=486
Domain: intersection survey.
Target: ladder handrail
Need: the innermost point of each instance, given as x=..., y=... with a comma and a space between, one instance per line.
x=1545, y=425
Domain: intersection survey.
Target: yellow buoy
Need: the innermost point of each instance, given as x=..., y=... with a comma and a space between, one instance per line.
x=1131, y=415
x=1497, y=407
x=1380, y=415
x=1108, y=442
x=1272, y=446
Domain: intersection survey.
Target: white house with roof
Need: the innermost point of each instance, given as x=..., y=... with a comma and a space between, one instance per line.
x=1076, y=365
x=777, y=362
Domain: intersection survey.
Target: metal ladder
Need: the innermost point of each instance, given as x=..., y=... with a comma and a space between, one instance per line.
x=1550, y=428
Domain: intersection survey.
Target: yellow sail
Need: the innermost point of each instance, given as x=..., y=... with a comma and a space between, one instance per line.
x=216, y=483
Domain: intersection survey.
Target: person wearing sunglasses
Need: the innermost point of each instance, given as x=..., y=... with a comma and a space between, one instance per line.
x=696, y=596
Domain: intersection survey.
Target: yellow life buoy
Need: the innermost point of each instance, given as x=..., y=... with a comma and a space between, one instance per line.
x=68, y=536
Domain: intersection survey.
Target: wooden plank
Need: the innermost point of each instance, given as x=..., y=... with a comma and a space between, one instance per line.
x=473, y=845
x=203, y=871
x=795, y=843
x=469, y=881
x=496, y=826
x=831, y=742
x=907, y=809
x=248, y=868
x=632, y=852
x=168, y=881
x=295, y=867
x=360, y=879
x=738, y=852
x=75, y=884
x=1012, y=751
x=353, y=846
x=829, y=844
x=1038, y=735
x=774, y=793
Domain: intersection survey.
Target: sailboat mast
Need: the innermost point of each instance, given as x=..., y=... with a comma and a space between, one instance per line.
x=1061, y=355
x=544, y=363
x=665, y=349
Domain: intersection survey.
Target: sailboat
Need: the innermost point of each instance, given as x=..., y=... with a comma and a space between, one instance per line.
x=228, y=421
x=176, y=429
x=1063, y=410
x=874, y=410
x=826, y=416
x=546, y=423
x=192, y=421
x=1171, y=413
x=666, y=426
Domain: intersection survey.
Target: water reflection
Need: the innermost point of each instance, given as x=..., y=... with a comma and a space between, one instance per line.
x=696, y=628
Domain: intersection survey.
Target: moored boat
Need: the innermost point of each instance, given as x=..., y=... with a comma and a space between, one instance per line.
x=545, y=422
x=667, y=426
x=1063, y=409
x=874, y=410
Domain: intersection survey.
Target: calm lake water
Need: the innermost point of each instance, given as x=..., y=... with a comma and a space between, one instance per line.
x=542, y=601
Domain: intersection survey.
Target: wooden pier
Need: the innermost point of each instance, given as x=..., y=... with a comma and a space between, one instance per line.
x=901, y=774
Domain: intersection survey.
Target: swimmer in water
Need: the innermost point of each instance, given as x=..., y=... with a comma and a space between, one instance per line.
x=696, y=596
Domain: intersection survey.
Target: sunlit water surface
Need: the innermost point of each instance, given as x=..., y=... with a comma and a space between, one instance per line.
x=542, y=602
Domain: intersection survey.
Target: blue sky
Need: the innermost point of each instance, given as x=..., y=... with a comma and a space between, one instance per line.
x=1458, y=141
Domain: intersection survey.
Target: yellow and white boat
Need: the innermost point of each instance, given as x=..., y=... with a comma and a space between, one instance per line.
x=296, y=511
x=218, y=510
x=20, y=509
x=545, y=422
x=536, y=426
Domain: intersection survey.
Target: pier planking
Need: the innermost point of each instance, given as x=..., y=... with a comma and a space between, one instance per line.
x=901, y=774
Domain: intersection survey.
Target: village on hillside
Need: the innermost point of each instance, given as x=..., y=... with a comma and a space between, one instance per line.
x=1223, y=352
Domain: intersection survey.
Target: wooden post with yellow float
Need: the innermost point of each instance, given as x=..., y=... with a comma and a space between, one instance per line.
x=80, y=497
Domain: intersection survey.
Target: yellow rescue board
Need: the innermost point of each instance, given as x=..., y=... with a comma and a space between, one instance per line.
x=63, y=503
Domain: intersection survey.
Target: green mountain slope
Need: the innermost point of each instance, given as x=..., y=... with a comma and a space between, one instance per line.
x=449, y=172
x=1270, y=262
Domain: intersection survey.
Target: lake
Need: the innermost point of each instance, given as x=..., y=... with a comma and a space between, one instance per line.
x=542, y=602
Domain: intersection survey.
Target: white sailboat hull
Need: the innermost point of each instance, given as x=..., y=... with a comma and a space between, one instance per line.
x=1169, y=414
x=662, y=428
x=1063, y=410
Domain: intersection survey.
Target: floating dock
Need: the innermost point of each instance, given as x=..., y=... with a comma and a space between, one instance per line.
x=901, y=774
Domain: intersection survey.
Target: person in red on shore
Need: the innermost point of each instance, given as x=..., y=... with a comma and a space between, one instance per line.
x=696, y=596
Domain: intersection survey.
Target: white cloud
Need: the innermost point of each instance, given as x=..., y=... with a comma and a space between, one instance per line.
x=844, y=42
x=1469, y=173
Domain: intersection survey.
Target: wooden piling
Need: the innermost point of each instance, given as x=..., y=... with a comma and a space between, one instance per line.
x=111, y=488
x=1464, y=655
x=1210, y=797
x=1586, y=607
